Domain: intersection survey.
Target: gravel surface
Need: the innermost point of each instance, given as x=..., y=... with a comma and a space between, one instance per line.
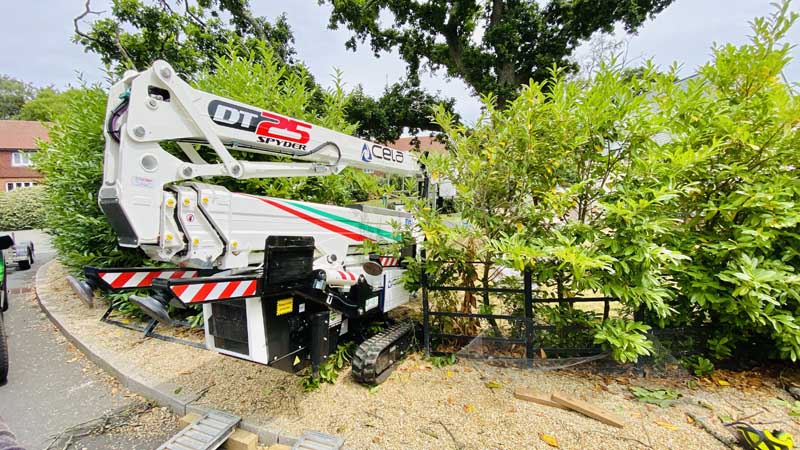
x=423, y=407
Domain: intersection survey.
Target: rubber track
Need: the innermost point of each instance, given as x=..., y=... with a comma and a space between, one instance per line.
x=366, y=356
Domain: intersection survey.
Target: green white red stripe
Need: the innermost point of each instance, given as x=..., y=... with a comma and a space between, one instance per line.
x=336, y=223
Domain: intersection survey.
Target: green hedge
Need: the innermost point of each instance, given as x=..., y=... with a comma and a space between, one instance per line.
x=22, y=209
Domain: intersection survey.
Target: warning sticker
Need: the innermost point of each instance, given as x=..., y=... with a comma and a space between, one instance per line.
x=335, y=319
x=285, y=306
x=296, y=361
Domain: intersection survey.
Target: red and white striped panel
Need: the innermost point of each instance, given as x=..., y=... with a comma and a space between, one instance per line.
x=388, y=261
x=346, y=276
x=219, y=290
x=142, y=279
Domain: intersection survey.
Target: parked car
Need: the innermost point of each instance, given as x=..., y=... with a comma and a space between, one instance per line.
x=21, y=253
x=6, y=242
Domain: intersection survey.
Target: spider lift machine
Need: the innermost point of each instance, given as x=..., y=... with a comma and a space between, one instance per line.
x=280, y=281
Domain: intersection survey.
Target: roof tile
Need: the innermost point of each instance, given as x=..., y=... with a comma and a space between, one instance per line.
x=21, y=134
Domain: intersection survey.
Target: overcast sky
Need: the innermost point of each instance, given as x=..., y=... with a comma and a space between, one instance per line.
x=36, y=45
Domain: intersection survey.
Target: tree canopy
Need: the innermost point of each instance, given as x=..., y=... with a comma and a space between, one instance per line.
x=13, y=94
x=187, y=35
x=192, y=35
x=47, y=104
x=402, y=106
x=494, y=46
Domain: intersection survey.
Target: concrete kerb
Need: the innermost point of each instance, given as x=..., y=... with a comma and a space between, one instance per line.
x=161, y=393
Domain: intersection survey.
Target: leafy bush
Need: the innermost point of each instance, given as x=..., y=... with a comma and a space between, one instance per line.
x=329, y=370
x=22, y=209
x=72, y=163
x=678, y=199
x=700, y=367
x=625, y=339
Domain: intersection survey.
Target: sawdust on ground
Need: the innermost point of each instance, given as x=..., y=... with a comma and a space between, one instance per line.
x=469, y=405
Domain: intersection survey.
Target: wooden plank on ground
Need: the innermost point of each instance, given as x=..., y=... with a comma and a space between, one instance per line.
x=531, y=396
x=241, y=440
x=588, y=410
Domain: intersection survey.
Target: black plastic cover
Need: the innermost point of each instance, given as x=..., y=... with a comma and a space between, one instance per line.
x=288, y=259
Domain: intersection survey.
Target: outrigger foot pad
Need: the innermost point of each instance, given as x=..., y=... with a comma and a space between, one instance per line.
x=153, y=308
x=82, y=290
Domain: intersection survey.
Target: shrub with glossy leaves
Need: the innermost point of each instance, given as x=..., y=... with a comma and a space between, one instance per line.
x=680, y=199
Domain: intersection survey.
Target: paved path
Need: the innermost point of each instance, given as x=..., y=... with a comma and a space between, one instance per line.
x=51, y=386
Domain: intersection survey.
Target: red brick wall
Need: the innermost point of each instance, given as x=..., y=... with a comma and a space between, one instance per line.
x=9, y=172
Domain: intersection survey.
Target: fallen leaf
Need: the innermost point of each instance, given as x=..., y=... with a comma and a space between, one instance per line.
x=493, y=384
x=114, y=391
x=469, y=408
x=373, y=389
x=467, y=370
x=178, y=390
x=549, y=439
x=666, y=425
x=542, y=354
x=723, y=383
x=689, y=419
x=72, y=360
x=450, y=400
x=184, y=372
x=449, y=373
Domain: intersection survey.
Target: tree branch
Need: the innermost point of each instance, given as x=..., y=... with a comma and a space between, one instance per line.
x=86, y=12
x=76, y=26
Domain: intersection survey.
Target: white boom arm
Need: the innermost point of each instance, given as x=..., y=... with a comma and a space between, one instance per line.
x=201, y=225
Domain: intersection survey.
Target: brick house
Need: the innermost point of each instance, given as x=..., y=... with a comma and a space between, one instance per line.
x=17, y=141
x=426, y=143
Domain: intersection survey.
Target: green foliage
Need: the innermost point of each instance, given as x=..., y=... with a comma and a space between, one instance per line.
x=72, y=163
x=259, y=78
x=518, y=41
x=196, y=320
x=700, y=367
x=329, y=370
x=190, y=36
x=625, y=339
x=22, y=209
x=122, y=303
x=573, y=327
x=193, y=35
x=793, y=407
x=660, y=397
x=403, y=108
x=678, y=199
x=48, y=104
x=443, y=361
x=13, y=94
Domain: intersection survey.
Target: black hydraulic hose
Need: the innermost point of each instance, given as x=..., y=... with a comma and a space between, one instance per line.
x=118, y=111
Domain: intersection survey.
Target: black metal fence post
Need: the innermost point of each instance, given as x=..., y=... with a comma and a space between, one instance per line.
x=528, y=315
x=426, y=325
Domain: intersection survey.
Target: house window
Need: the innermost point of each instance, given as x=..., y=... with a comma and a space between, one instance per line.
x=11, y=185
x=21, y=159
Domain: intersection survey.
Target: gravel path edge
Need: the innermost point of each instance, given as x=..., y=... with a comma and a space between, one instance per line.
x=131, y=378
